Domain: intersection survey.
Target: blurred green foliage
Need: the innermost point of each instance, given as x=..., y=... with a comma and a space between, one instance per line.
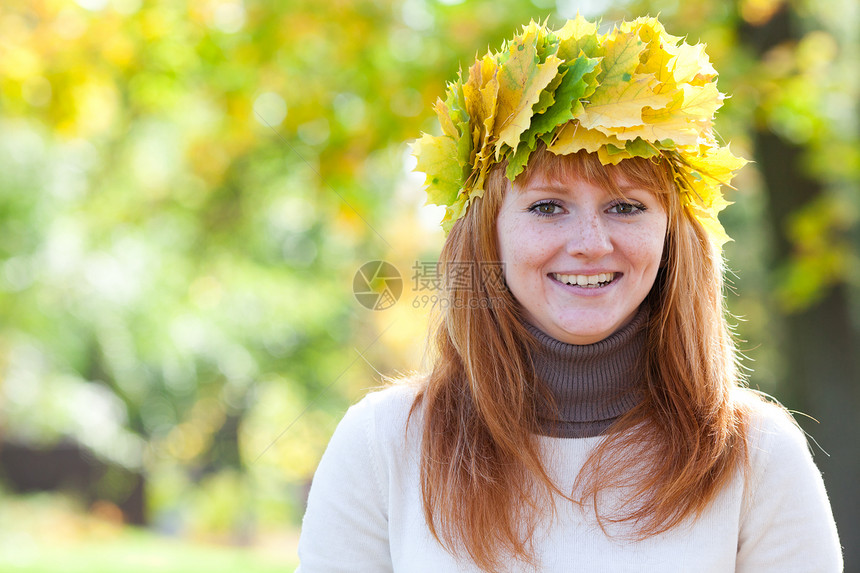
x=49, y=534
x=187, y=188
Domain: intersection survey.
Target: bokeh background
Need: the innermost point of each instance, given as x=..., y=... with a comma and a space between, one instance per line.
x=188, y=187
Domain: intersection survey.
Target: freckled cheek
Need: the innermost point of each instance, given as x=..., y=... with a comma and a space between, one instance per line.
x=647, y=247
x=523, y=258
x=527, y=267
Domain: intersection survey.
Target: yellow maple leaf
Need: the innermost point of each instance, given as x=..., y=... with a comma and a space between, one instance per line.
x=612, y=154
x=684, y=120
x=716, y=163
x=578, y=36
x=574, y=137
x=620, y=58
x=680, y=130
x=649, y=29
x=712, y=225
x=481, y=92
x=454, y=212
x=521, y=80
x=693, y=63
x=659, y=60
x=701, y=101
x=437, y=159
x=620, y=104
x=531, y=34
x=445, y=121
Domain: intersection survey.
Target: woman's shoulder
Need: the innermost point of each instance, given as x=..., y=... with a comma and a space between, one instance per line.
x=784, y=496
x=766, y=416
x=396, y=397
x=385, y=411
x=772, y=433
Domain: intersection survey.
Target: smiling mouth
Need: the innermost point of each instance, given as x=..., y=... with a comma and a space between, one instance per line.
x=587, y=281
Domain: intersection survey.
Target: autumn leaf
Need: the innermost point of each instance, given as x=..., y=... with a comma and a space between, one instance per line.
x=445, y=121
x=701, y=179
x=577, y=81
x=574, y=137
x=476, y=145
x=622, y=94
x=453, y=212
x=621, y=104
x=548, y=96
x=660, y=61
x=517, y=162
x=700, y=101
x=455, y=102
x=437, y=158
x=544, y=40
x=650, y=30
x=578, y=37
x=716, y=163
x=521, y=80
x=693, y=65
x=620, y=59
x=641, y=148
x=685, y=119
x=574, y=85
x=465, y=149
x=482, y=92
x=711, y=223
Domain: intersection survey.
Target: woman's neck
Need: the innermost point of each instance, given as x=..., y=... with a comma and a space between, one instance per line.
x=592, y=385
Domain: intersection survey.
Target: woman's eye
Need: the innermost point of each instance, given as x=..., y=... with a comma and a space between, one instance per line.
x=626, y=208
x=547, y=208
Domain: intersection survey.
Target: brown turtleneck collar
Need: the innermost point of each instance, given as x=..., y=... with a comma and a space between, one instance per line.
x=593, y=385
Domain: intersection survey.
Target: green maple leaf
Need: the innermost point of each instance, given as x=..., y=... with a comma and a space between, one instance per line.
x=464, y=149
x=455, y=101
x=574, y=85
x=518, y=160
x=576, y=81
x=641, y=148
x=547, y=96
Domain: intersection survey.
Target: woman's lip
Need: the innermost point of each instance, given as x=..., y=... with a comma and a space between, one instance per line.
x=583, y=280
x=586, y=273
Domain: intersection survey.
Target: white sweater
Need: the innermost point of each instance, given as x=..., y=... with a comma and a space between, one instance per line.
x=365, y=514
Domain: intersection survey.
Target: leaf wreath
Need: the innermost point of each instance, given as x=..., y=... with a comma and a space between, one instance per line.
x=635, y=91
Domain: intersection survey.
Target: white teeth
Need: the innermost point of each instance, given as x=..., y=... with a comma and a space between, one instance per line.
x=585, y=280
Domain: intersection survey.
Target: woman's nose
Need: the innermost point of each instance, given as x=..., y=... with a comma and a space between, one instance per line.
x=589, y=237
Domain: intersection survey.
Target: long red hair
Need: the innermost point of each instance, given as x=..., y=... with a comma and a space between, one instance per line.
x=480, y=459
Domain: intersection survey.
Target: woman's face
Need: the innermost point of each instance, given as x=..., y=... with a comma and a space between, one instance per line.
x=579, y=260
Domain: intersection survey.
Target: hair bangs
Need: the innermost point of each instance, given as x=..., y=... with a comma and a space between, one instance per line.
x=650, y=174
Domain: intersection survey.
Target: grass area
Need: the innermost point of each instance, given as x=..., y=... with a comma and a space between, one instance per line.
x=46, y=536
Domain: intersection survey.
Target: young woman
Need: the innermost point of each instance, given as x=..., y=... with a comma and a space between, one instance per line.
x=585, y=413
